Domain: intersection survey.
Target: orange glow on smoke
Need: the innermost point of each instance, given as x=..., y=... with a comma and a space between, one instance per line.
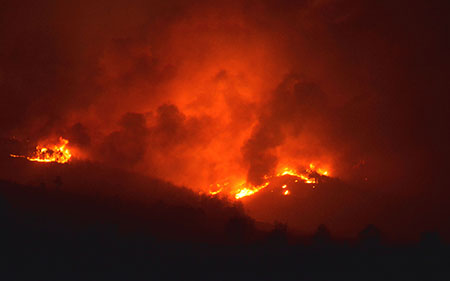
x=244, y=189
x=58, y=153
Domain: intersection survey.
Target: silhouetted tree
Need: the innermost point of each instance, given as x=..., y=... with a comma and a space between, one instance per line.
x=370, y=236
x=279, y=234
x=239, y=229
x=322, y=236
x=430, y=240
x=58, y=182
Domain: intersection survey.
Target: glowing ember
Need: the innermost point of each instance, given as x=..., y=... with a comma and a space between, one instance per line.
x=286, y=192
x=59, y=153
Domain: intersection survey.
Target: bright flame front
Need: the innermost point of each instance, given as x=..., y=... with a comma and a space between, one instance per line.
x=56, y=153
x=244, y=189
x=247, y=191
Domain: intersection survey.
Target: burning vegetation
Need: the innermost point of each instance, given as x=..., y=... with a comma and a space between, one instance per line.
x=58, y=153
x=311, y=176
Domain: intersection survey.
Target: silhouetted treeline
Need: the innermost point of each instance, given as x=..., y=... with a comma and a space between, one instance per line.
x=51, y=234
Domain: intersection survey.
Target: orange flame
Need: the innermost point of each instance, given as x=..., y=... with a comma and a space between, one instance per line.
x=247, y=191
x=59, y=153
x=322, y=172
x=304, y=177
x=216, y=192
x=244, y=189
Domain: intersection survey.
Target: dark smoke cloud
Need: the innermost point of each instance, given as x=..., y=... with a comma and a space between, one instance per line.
x=146, y=138
x=128, y=145
x=294, y=103
x=79, y=135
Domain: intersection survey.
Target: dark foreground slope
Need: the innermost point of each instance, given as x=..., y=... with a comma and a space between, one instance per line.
x=53, y=234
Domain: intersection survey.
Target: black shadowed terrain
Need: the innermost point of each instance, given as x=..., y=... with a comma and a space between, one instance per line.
x=50, y=232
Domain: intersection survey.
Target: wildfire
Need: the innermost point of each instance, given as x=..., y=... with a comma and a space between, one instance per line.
x=215, y=192
x=289, y=172
x=310, y=176
x=305, y=177
x=246, y=191
x=58, y=153
x=320, y=171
